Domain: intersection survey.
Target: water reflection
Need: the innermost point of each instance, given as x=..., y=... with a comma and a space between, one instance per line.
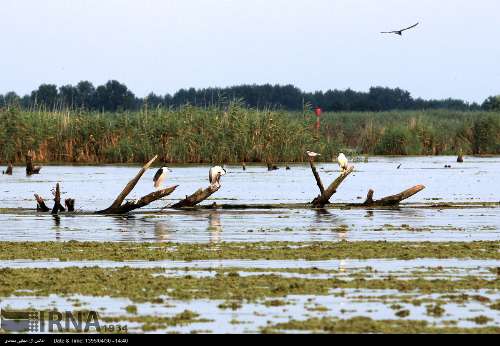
x=214, y=226
x=162, y=232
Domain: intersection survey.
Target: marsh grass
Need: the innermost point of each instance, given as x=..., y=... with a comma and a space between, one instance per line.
x=238, y=134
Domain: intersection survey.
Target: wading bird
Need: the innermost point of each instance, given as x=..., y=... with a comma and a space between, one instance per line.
x=343, y=163
x=399, y=32
x=160, y=176
x=214, y=175
x=312, y=154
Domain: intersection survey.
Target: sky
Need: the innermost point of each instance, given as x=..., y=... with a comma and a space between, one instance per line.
x=164, y=45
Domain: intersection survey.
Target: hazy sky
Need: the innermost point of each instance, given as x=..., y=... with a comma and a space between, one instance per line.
x=164, y=45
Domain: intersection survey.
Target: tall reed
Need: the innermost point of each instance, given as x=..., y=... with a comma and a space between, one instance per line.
x=235, y=134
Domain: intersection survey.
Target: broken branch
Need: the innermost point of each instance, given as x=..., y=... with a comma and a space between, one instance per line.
x=128, y=188
x=324, y=198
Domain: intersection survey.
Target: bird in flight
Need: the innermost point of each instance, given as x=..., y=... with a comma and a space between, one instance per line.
x=399, y=32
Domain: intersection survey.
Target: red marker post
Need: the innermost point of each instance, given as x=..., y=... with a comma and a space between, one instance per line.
x=318, y=112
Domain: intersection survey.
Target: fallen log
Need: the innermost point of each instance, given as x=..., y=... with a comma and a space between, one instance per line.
x=391, y=200
x=119, y=208
x=40, y=204
x=197, y=197
x=128, y=188
x=143, y=201
x=324, y=198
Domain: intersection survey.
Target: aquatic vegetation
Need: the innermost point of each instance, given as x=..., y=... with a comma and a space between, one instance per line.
x=208, y=135
x=309, y=251
x=142, y=285
x=368, y=325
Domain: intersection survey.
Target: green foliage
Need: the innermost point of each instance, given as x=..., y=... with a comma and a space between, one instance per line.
x=486, y=132
x=234, y=133
x=492, y=103
x=115, y=96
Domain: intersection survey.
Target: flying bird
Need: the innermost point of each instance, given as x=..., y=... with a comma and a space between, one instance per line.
x=399, y=32
x=312, y=154
x=214, y=175
x=160, y=176
x=343, y=163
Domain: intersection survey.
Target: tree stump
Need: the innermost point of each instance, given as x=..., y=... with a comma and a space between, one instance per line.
x=57, y=201
x=30, y=168
x=40, y=204
x=9, y=170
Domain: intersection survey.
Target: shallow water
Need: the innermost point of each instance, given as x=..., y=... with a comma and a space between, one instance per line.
x=96, y=187
x=260, y=225
x=250, y=317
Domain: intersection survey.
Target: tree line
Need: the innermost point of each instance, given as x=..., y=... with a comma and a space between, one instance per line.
x=115, y=96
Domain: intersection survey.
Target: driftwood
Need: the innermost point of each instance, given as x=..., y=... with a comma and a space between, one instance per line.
x=391, y=200
x=40, y=204
x=57, y=201
x=30, y=168
x=316, y=176
x=119, y=208
x=197, y=197
x=324, y=198
x=142, y=202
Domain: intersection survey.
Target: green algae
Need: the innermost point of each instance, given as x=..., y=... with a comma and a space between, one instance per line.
x=153, y=323
x=367, y=325
x=73, y=250
x=146, y=285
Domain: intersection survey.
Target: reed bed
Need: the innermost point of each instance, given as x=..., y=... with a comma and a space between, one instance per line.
x=237, y=134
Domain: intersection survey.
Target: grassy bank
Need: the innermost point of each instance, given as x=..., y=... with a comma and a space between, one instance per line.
x=196, y=135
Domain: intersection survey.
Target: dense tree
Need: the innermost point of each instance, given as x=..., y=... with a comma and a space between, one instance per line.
x=85, y=94
x=492, y=103
x=115, y=96
x=46, y=95
x=11, y=98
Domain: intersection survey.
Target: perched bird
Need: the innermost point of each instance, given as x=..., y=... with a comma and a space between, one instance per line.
x=160, y=176
x=343, y=163
x=399, y=32
x=312, y=154
x=214, y=175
